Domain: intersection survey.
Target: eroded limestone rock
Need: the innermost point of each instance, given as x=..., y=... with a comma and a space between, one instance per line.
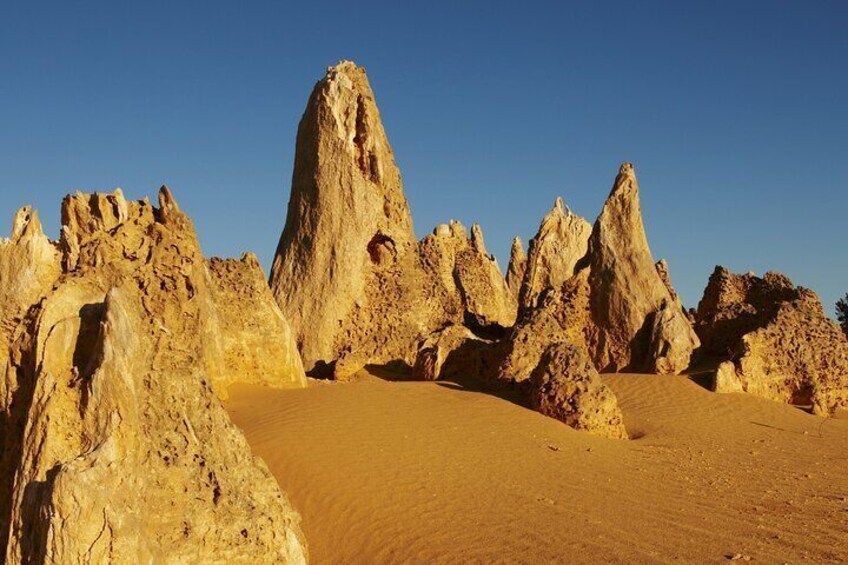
x=256, y=340
x=627, y=291
x=348, y=218
x=115, y=446
x=366, y=291
x=516, y=268
x=775, y=340
x=566, y=386
x=562, y=240
x=618, y=305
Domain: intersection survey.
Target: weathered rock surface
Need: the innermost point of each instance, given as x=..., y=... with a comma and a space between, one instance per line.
x=618, y=305
x=115, y=445
x=348, y=274
x=775, y=340
x=434, y=351
x=348, y=218
x=561, y=316
x=516, y=268
x=566, y=386
x=562, y=240
x=256, y=340
x=482, y=289
x=628, y=292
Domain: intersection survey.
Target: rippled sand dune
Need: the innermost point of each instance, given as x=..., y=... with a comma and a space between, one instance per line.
x=390, y=472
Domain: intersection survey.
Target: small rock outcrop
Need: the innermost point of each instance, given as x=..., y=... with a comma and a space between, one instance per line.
x=562, y=240
x=516, y=268
x=115, y=446
x=561, y=316
x=435, y=349
x=631, y=305
x=566, y=386
x=773, y=340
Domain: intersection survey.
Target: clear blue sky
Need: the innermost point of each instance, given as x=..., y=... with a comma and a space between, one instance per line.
x=735, y=114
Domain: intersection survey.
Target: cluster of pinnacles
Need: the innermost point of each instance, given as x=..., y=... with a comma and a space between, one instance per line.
x=118, y=342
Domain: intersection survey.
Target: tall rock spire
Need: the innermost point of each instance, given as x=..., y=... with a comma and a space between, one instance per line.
x=628, y=295
x=347, y=212
x=517, y=266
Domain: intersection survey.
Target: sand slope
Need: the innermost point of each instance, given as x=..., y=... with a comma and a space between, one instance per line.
x=393, y=472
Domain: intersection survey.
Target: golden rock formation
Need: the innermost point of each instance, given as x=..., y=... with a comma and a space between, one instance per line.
x=774, y=339
x=348, y=274
x=116, y=447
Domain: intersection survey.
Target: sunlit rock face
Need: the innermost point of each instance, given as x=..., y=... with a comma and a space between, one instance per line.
x=562, y=240
x=617, y=304
x=348, y=274
x=633, y=313
x=774, y=341
x=116, y=447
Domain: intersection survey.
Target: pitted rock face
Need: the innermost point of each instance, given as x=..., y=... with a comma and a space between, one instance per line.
x=562, y=240
x=116, y=447
x=566, y=386
x=775, y=340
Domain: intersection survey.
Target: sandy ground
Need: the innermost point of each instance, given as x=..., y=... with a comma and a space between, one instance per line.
x=413, y=472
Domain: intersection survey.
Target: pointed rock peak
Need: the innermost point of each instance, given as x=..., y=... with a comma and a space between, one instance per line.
x=457, y=229
x=517, y=250
x=625, y=180
x=559, y=209
x=559, y=205
x=167, y=202
x=250, y=258
x=25, y=222
x=477, y=239
x=344, y=68
x=557, y=213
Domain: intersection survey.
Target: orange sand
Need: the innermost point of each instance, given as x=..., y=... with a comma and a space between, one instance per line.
x=398, y=472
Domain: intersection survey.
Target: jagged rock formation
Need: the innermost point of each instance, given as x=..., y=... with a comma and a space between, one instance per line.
x=561, y=315
x=627, y=294
x=256, y=341
x=665, y=277
x=562, y=240
x=516, y=268
x=115, y=445
x=618, y=305
x=474, y=274
x=366, y=292
x=775, y=340
x=566, y=386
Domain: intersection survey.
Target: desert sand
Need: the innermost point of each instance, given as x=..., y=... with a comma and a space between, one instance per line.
x=434, y=472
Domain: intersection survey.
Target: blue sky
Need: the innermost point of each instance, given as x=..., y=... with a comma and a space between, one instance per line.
x=734, y=113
